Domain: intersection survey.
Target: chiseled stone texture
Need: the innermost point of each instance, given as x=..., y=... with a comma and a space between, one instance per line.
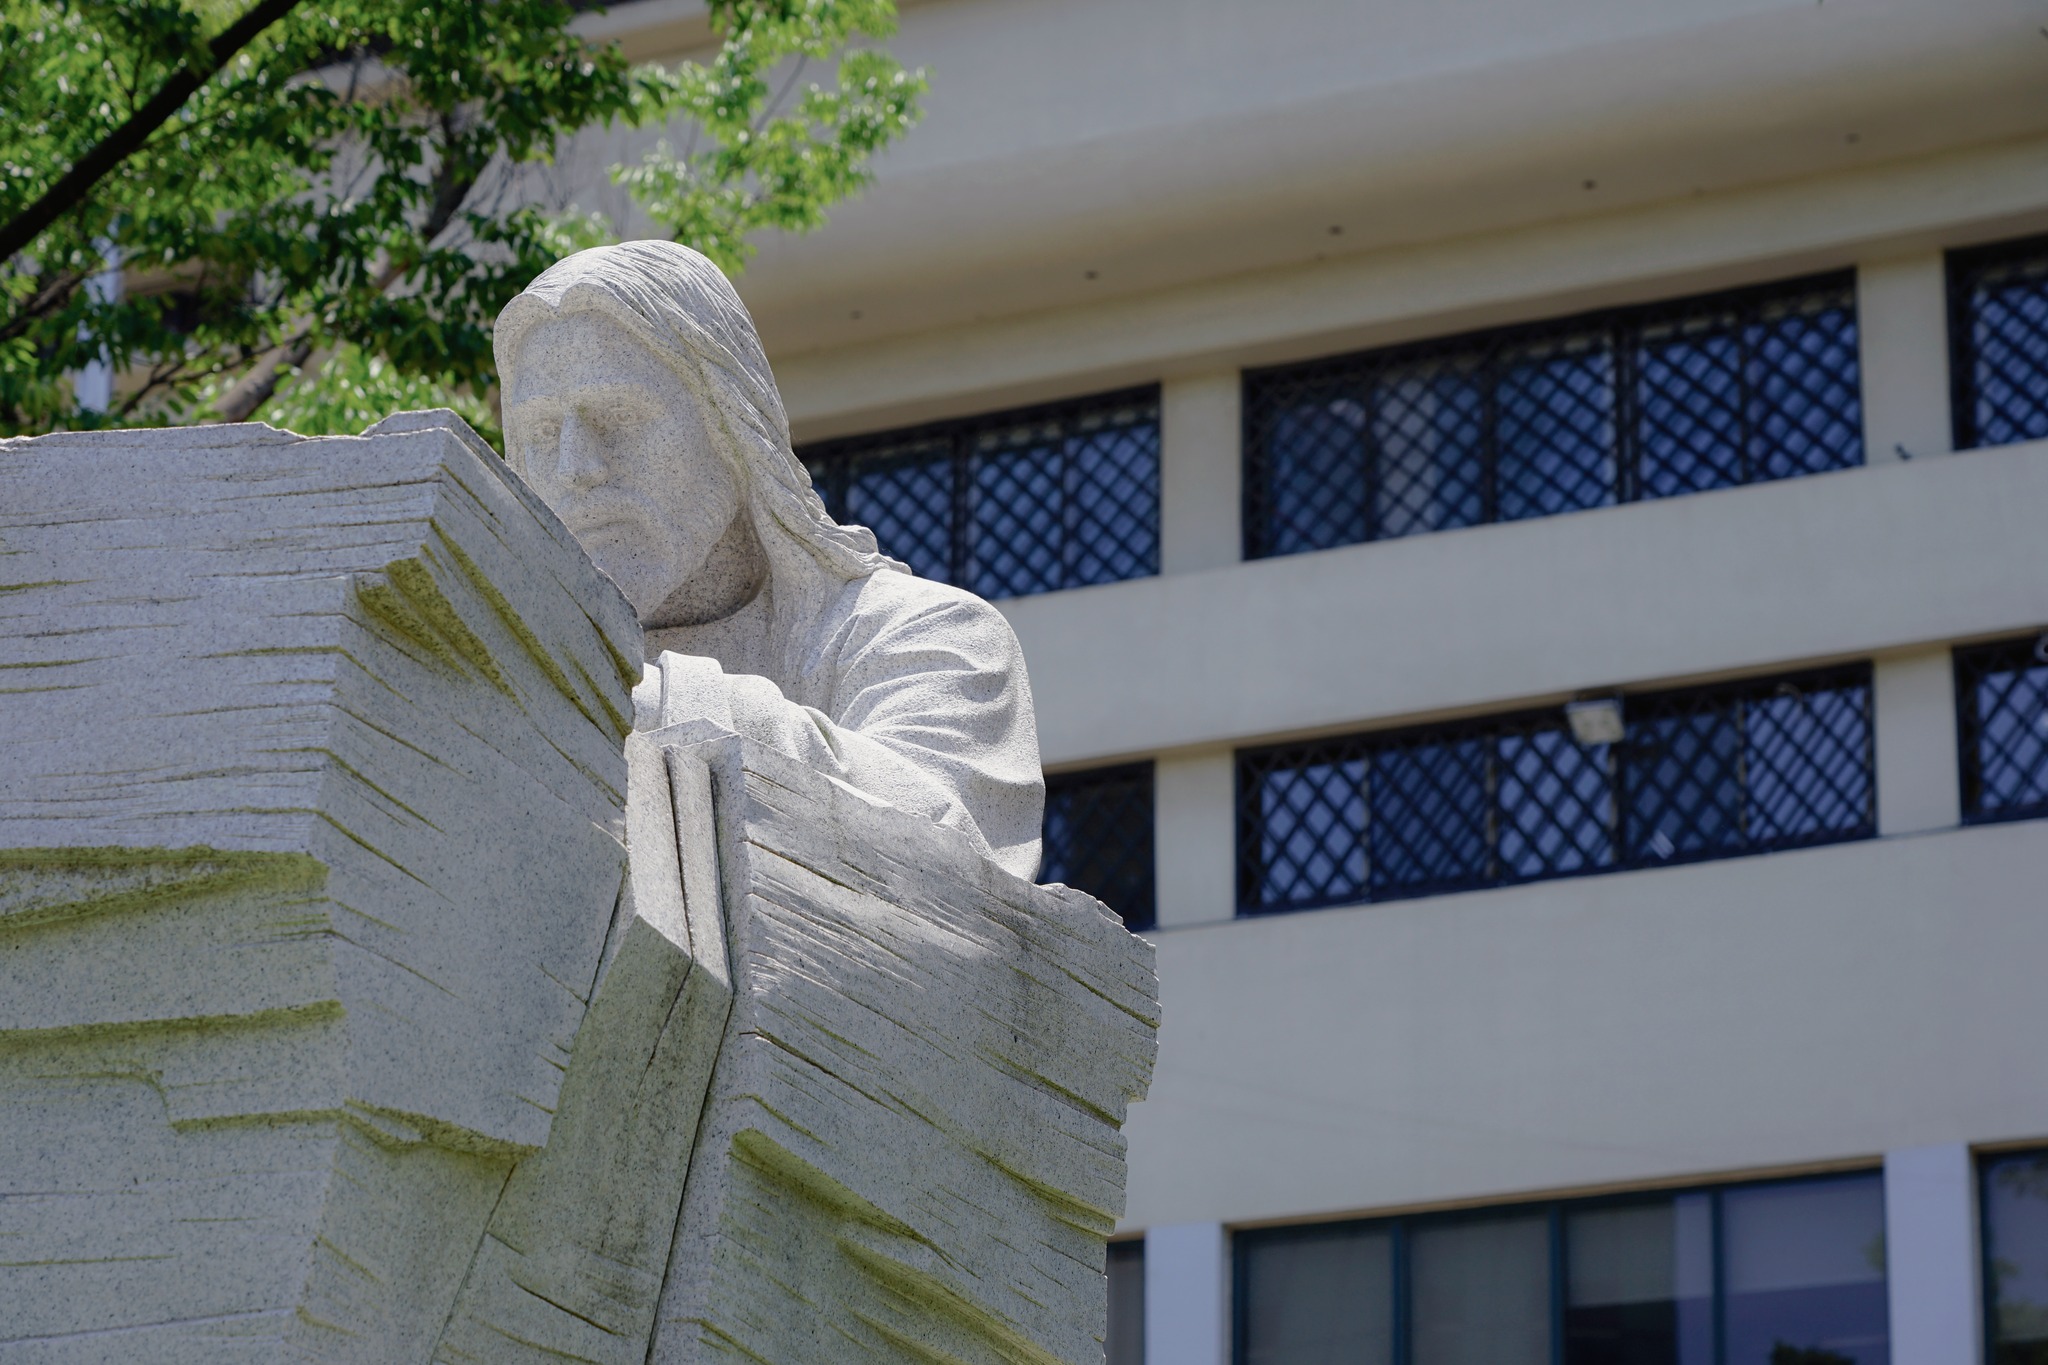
x=311, y=823
x=848, y=1092
x=911, y=1148
x=337, y=1025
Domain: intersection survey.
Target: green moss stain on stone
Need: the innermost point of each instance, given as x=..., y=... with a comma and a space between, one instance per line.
x=620, y=725
x=40, y=885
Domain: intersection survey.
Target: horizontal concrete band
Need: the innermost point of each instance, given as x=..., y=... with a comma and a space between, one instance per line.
x=1754, y=1014
x=1832, y=566
x=1075, y=152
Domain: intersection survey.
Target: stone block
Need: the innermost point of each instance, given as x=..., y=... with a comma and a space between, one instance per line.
x=911, y=1149
x=337, y=1024
x=311, y=834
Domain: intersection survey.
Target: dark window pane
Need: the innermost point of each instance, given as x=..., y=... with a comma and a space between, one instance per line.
x=2016, y=1247
x=1998, y=339
x=1690, y=394
x=1313, y=471
x=1639, y=1283
x=1808, y=763
x=1030, y=501
x=1481, y=1291
x=906, y=498
x=1551, y=417
x=2002, y=710
x=1016, y=479
x=1428, y=823
x=1316, y=1296
x=1125, y=1343
x=1305, y=845
x=1112, y=496
x=1099, y=838
x=1700, y=772
x=1805, y=412
x=1804, y=1267
x=1557, y=444
x=1683, y=777
x=1428, y=435
x=1556, y=805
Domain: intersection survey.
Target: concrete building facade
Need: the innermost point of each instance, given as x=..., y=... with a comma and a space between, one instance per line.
x=1177, y=199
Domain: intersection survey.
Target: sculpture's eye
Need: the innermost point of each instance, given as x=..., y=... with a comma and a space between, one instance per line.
x=536, y=439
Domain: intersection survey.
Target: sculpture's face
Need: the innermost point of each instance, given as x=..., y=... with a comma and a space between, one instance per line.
x=618, y=446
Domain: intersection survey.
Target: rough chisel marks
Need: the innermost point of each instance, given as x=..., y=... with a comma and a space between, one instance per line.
x=910, y=1151
x=311, y=825
x=337, y=1025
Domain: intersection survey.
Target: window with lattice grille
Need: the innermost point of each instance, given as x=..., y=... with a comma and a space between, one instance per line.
x=1703, y=772
x=1998, y=343
x=1529, y=421
x=1098, y=838
x=2002, y=728
x=1011, y=503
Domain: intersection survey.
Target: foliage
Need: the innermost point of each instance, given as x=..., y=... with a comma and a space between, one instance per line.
x=345, y=204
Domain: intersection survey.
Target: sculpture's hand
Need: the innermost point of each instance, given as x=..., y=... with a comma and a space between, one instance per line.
x=682, y=687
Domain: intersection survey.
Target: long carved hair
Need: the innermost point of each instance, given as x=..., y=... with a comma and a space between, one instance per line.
x=684, y=310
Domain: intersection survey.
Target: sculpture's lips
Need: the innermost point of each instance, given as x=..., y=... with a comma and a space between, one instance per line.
x=611, y=517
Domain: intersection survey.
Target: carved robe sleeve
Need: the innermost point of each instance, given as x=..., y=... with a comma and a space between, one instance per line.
x=932, y=714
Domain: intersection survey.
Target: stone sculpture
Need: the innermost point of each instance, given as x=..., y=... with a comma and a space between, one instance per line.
x=639, y=404
x=372, y=989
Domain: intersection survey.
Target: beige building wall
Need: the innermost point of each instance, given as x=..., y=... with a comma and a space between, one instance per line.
x=1109, y=192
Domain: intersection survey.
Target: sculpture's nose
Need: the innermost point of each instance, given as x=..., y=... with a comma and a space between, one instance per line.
x=581, y=455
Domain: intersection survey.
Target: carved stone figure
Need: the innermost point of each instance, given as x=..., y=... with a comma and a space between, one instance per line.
x=639, y=404
x=338, y=1026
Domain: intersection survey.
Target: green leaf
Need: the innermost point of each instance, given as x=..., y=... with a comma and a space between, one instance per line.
x=347, y=196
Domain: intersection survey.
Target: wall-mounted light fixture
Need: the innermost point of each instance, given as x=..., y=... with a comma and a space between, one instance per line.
x=1597, y=721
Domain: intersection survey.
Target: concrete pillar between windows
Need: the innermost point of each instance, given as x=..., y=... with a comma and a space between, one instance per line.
x=1902, y=318
x=1931, y=1256
x=1195, y=837
x=1918, y=787
x=1187, y=1295
x=1199, y=472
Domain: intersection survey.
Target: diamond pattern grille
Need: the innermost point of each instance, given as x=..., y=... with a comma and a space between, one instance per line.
x=1554, y=417
x=2002, y=717
x=1998, y=341
x=1013, y=503
x=1700, y=773
x=1098, y=838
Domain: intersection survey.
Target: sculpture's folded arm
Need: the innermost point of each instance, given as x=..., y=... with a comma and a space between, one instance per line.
x=920, y=698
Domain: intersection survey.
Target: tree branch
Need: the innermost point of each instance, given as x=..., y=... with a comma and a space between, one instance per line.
x=50, y=295
x=451, y=183
x=75, y=184
x=240, y=403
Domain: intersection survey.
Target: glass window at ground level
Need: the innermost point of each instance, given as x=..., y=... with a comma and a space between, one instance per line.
x=1803, y=1266
x=1639, y=1282
x=1125, y=1342
x=2016, y=1258
x=1316, y=1296
x=1779, y=1273
x=1480, y=1290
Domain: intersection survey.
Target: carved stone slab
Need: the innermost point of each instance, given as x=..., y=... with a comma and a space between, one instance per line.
x=336, y=1026
x=853, y=1095
x=310, y=838
x=911, y=1148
